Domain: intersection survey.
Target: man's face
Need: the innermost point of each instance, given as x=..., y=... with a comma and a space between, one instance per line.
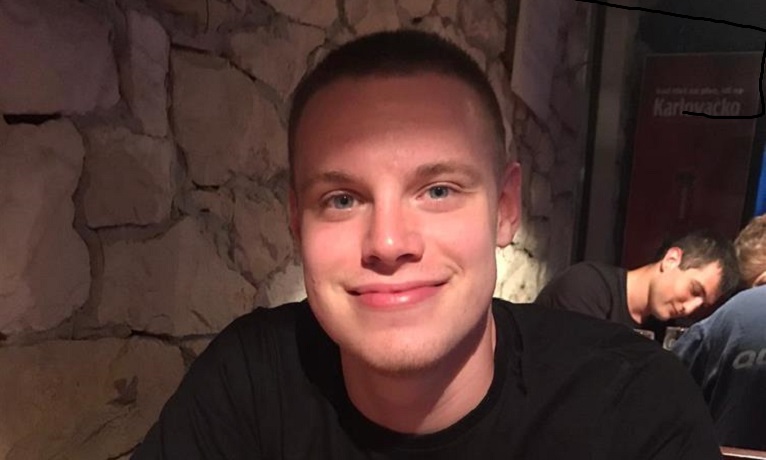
x=676, y=292
x=398, y=210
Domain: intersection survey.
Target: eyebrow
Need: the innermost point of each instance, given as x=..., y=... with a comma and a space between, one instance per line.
x=699, y=286
x=422, y=173
x=330, y=177
x=431, y=170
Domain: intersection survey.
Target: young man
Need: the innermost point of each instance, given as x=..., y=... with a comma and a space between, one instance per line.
x=726, y=353
x=693, y=273
x=400, y=196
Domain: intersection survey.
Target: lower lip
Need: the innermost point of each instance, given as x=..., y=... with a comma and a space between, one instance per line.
x=392, y=300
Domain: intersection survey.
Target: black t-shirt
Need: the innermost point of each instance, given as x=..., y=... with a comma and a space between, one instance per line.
x=591, y=288
x=598, y=290
x=565, y=386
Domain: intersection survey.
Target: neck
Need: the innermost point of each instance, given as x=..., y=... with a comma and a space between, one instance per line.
x=427, y=400
x=638, y=292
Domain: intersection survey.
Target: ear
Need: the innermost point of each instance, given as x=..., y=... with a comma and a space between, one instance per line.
x=295, y=220
x=671, y=259
x=508, y=205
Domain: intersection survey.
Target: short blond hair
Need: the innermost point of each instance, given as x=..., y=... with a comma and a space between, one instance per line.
x=751, y=251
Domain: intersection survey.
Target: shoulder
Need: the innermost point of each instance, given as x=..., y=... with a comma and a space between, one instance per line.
x=637, y=394
x=582, y=275
x=256, y=356
x=590, y=288
x=745, y=308
x=255, y=338
x=593, y=268
x=564, y=336
x=280, y=320
x=744, y=315
x=584, y=269
x=749, y=302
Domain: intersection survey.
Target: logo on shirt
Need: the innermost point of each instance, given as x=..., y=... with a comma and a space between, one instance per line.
x=749, y=358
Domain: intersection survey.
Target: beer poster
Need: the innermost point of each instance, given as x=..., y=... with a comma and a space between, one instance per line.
x=689, y=171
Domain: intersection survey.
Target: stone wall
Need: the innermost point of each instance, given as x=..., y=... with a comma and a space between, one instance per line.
x=143, y=190
x=551, y=153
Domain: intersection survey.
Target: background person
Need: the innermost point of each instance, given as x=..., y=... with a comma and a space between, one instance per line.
x=693, y=273
x=726, y=353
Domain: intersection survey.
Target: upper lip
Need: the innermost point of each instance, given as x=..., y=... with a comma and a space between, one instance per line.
x=392, y=287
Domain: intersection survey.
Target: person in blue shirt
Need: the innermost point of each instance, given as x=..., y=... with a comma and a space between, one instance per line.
x=726, y=353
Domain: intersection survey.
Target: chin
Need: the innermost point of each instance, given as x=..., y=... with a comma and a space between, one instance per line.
x=398, y=356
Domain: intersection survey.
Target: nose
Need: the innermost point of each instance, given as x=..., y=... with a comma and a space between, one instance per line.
x=691, y=305
x=392, y=239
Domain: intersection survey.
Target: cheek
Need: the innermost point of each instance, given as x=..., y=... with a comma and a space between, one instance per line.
x=326, y=245
x=466, y=236
x=680, y=290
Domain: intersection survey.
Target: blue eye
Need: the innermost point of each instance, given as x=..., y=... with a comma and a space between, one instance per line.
x=439, y=192
x=343, y=201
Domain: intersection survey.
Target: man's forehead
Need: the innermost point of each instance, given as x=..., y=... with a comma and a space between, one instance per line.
x=421, y=96
x=710, y=277
x=420, y=101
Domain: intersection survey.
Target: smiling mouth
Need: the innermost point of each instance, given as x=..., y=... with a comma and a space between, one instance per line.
x=392, y=296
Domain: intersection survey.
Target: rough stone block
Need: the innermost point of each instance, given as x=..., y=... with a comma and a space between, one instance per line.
x=501, y=83
x=276, y=55
x=57, y=58
x=481, y=26
x=221, y=122
x=175, y=284
x=129, y=178
x=455, y=35
x=83, y=399
x=416, y=8
x=566, y=174
x=209, y=202
x=195, y=10
x=368, y=16
x=566, y=103
x=545, y=155
x=320, y=13
x=45, y=269
x=534, y=237
x=447, y=8
x=143, y=73
x=286, y=285
x=519, y=276
x=262, y=239
x=540, y=198
x=527, y=162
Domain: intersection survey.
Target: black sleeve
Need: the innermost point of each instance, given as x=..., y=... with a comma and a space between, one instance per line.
x=580, y=289
x=209, y=416
x=659, y=414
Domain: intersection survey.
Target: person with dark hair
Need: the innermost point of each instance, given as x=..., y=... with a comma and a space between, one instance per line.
x=726, y=353
x=400, y=351
x=693, y=272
